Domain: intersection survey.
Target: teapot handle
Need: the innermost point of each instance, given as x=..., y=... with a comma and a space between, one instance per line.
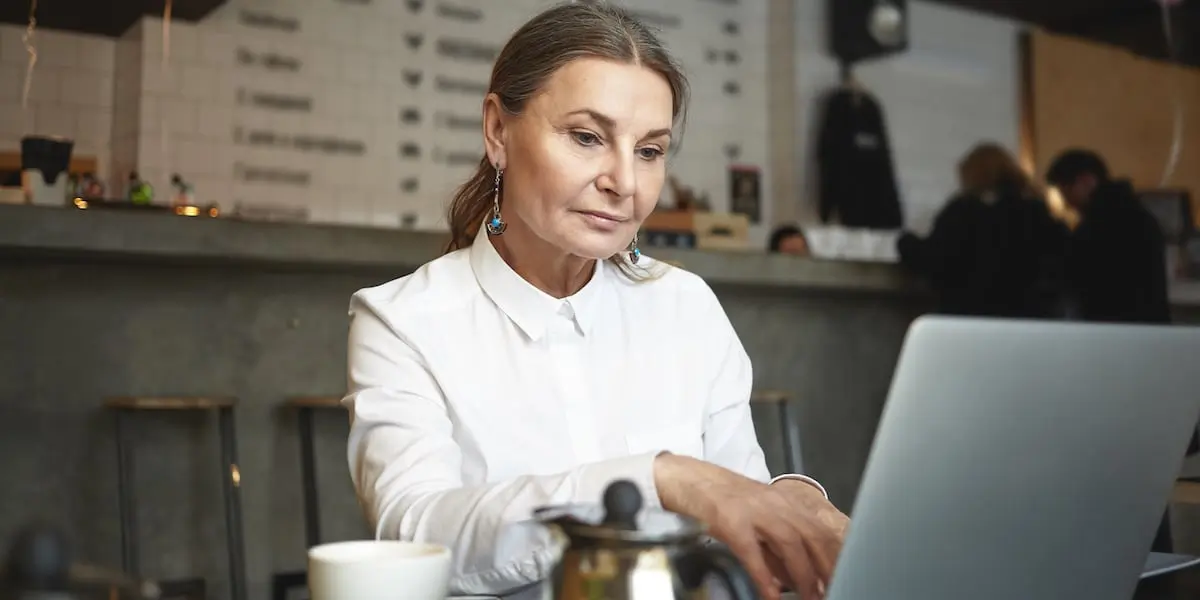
x=716, y=560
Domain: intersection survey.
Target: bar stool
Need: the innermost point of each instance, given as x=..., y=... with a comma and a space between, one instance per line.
x=782, y=403
x=123, y=409
x=305, y=407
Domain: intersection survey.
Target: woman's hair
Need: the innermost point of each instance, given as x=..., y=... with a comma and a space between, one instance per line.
x=988, y=166
x=535, y=52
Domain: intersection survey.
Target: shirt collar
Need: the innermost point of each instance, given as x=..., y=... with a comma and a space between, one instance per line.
x=528, y=307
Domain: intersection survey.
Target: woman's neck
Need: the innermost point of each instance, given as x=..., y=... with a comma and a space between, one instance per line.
x=543, y=265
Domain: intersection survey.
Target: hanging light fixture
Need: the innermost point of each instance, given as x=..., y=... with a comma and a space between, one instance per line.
x=886, y=24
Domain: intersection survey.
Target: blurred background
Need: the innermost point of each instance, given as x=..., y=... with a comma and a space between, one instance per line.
x=192, y=189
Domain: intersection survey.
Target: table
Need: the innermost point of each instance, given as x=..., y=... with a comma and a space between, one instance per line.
x=1180, y=585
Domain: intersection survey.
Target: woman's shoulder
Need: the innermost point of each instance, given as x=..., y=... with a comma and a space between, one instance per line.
x=436, y=286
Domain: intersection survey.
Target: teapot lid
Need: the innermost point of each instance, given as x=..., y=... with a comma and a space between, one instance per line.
x=39, y=565
x=622, y=518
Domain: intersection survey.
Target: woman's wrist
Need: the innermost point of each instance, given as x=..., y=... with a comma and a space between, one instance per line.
x=670, y=471
x=663, y=476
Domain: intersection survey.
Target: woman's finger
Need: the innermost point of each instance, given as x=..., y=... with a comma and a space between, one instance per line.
x=824, y=545
x=777, y=568
x=751, y=556
x=790, y=549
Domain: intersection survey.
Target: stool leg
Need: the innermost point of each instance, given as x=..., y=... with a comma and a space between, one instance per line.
x=791, y=445
x=231, y=484
x=126, y=499
x=308, y=472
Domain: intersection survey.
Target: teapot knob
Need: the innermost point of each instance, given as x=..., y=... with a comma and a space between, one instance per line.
x=622, y=502
x=39, y=559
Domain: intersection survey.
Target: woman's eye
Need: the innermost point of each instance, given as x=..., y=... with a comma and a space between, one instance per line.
x=650, y=153
x=586, y=139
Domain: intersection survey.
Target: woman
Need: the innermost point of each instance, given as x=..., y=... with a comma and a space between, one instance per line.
x=995, y=249
x=544, y=356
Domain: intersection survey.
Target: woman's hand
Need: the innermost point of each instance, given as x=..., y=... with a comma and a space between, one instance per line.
x=784, y=535
x=807, y=499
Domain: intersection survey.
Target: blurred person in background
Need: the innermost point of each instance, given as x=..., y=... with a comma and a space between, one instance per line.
x=789, y=239
x=1116, y=268
x=1116, y=265
x=995, y=249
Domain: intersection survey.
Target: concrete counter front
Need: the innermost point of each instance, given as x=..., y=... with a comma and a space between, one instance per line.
x=96, y=304
x=164, y=238
x=144, y=237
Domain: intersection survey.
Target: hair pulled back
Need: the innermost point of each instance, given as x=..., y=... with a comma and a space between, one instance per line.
x=535, y=52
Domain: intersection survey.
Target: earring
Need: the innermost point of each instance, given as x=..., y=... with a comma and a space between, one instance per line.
x=635, y=253
x=496, y=225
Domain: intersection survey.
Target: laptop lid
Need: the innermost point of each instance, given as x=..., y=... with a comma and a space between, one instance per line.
x=1027, y=460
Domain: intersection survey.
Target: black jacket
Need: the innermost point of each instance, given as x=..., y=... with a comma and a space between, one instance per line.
x=996, y=255
x=1116, y=264
x=854, y=163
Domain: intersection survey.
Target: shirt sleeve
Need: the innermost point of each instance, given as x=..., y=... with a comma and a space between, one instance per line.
x=407, y=469
x=729, y=437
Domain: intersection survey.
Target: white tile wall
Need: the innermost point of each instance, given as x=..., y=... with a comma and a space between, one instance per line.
x=71, y=93
x=956, y=86
x=127, y=106
x=122, y=103
x=352, y=64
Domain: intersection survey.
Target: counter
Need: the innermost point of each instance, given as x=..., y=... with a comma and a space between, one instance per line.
x=164, y=238
x=157, y=237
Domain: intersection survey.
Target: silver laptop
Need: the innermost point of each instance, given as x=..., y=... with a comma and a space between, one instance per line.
x=1028, y=460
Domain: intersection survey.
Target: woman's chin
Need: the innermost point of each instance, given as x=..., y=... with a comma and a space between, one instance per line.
x=595, y=254
x=596, y=251
x=591, y=244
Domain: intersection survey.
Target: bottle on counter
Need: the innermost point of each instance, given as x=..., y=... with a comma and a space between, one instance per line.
x=90, y=187
x=185, y=194
x=140, y=192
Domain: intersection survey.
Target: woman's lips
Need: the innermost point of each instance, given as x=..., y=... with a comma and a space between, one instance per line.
x=602, y=221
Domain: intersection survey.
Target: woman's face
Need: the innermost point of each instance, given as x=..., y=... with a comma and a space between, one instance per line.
x=585, y=162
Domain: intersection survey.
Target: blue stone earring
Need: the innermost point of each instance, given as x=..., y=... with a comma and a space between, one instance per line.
x=496, y=225
x=635, y=253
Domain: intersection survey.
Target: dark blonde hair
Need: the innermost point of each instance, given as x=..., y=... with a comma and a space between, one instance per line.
x=535, y=52
x=989, y=165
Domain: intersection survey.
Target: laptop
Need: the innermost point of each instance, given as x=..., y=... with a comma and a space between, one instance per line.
x=1016, y=459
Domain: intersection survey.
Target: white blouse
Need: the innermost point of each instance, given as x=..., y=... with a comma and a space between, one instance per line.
x=476, y=398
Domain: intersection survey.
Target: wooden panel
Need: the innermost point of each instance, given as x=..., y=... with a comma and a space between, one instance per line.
x=1186, y=492
x=1104, y=98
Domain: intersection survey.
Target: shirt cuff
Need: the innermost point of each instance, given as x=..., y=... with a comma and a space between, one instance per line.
x=805, y=479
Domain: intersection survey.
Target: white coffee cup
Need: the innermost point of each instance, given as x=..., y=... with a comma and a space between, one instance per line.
x=378, y=570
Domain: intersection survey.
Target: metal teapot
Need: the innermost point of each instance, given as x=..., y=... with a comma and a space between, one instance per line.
x=628, y=553
x=38, y=567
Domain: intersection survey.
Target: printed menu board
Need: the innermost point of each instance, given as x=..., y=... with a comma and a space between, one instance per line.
x=368, y=111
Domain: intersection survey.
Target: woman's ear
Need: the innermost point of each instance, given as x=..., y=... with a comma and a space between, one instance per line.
x=495, y=131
